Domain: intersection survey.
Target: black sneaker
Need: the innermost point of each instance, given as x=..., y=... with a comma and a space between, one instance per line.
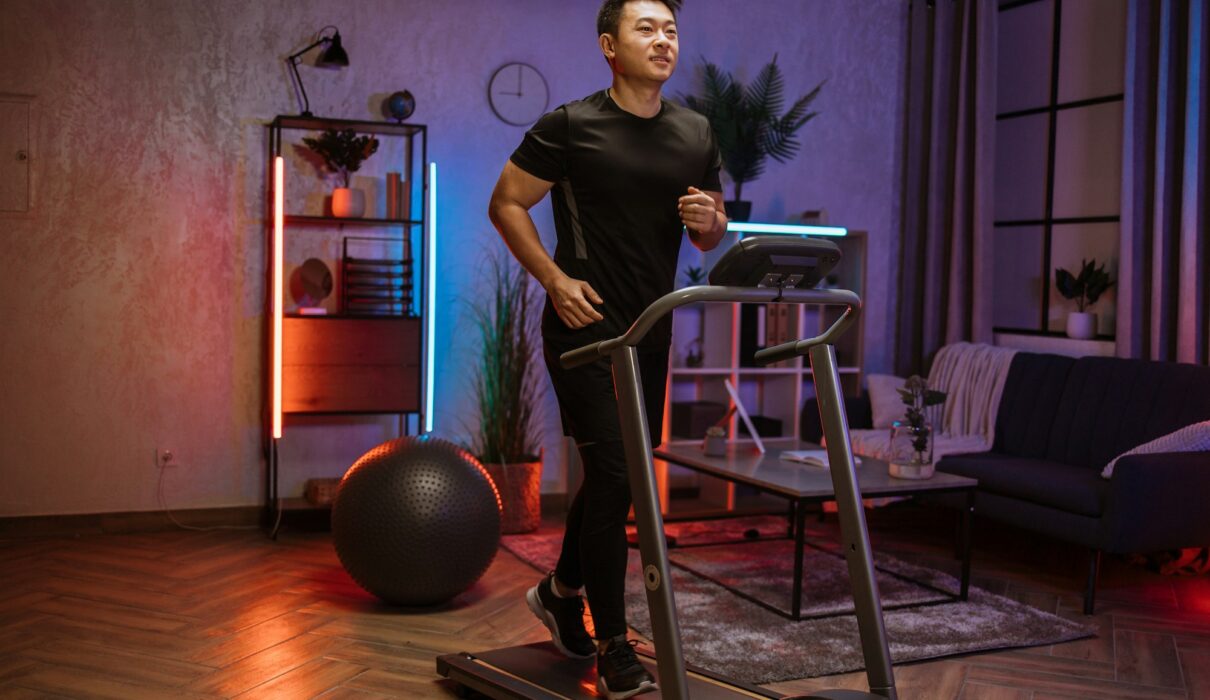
x=564, y=617
x=619, y=673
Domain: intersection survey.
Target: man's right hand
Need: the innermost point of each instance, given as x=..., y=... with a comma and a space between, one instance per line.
x=571, y=299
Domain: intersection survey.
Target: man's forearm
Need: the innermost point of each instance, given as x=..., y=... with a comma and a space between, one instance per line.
x=517, y=229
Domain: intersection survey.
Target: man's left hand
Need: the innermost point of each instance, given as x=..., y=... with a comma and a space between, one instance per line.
x=698, y=211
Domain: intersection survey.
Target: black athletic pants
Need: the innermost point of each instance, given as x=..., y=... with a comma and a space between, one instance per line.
x=594, y=543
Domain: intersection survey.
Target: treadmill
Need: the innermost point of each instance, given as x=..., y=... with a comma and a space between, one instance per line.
x=757, y=269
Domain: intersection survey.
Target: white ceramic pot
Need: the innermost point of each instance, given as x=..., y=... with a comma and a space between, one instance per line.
x=1081, y=325
x=348, y=203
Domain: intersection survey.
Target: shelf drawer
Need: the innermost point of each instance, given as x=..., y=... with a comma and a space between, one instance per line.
x=338, y=365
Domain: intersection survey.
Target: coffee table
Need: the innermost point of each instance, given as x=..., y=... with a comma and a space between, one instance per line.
x=802, y=485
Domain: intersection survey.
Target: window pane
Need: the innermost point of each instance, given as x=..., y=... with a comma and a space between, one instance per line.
x=1023, y=60
x=1088, y=161
x=1021, y=144
x=1092, y=49
x=1017, y=294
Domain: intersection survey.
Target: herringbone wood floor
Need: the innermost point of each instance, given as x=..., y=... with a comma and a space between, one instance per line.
x=224, y=614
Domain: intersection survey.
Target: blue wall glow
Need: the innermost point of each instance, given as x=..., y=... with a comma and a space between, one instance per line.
x=430, y=299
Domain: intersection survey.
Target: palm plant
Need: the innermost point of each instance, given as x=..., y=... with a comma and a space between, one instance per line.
x=506, y=387
x=746, y=122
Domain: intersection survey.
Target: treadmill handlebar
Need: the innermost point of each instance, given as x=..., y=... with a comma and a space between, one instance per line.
x=794, y=348
x=750, y=295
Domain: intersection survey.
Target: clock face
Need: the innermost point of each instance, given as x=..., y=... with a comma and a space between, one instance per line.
x=518, y=94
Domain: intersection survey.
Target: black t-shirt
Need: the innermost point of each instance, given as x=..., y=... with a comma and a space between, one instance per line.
x=617, y=180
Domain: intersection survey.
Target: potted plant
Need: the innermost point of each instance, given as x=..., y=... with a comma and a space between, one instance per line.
x=343, y=152
x=1085, y=289
x=747, y=126
x=507, y=438
x=912, y=437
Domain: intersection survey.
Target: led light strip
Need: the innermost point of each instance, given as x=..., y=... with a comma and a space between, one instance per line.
x=279, y=183
x=430, y=299
x=791, y=229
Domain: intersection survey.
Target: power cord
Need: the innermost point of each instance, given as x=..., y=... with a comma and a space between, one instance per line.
x=172, y=517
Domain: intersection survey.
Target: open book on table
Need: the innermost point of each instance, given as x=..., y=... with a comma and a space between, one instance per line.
x=811, y=458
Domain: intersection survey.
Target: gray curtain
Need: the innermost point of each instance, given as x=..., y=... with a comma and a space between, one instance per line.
x=1164, y=292
x=945, y=272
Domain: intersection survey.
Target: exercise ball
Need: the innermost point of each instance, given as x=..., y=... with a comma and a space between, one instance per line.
x=416, y=521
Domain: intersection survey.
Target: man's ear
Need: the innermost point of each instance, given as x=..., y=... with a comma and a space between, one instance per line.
x=607, y=47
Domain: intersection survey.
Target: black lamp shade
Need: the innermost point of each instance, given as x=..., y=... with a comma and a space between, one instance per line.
x=334, y=54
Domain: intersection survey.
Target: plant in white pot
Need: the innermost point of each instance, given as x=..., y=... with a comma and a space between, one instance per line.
x=343, y=152
x=1085, y=289
x=507, y=438
x=747, y=125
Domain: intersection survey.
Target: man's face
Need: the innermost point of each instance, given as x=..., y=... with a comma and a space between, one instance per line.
x=646, y=45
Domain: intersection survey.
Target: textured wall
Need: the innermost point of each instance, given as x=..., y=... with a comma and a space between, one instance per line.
x=132, y=296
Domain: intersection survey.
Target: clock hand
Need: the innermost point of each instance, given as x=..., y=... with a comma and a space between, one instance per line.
x=518, y=81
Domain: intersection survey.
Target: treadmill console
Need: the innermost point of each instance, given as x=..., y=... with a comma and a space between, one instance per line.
x=776, y=261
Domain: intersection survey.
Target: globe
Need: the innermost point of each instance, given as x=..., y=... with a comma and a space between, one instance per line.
x=400, y=105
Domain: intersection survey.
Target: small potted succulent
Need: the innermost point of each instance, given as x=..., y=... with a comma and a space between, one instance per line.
x=1085, y=288
x=912, y=437
x=343, y=152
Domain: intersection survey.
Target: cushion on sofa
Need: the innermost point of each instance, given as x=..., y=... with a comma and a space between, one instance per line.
x=1191, y=438
x=1067, y=487
x=885, y=402
x=1031, y=398
x=1111, y=405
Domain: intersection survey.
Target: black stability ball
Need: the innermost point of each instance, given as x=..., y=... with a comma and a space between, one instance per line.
x=416, y=521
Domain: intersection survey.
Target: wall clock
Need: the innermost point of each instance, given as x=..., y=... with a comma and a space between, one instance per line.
x=518, y=94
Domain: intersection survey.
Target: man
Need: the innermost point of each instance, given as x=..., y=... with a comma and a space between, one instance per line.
x=628, y=172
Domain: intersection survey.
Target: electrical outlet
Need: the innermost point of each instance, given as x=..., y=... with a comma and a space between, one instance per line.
x=165, y=457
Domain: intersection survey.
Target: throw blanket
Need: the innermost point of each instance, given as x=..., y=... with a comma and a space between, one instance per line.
x=1191, y=438
x=972, y=376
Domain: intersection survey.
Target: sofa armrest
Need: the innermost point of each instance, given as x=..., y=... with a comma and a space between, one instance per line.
x=1157, y=501
x=857, y=409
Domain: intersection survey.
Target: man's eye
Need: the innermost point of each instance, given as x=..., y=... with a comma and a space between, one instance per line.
x=644, y=29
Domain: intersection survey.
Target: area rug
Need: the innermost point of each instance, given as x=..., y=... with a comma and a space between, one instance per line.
x=725, y=633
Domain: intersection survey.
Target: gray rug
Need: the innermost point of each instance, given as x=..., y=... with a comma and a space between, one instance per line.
x=725, y=633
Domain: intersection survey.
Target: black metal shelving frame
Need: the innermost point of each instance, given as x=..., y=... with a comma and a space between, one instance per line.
x=274, y=503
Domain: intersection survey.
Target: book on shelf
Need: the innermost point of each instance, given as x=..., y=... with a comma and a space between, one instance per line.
x=811, y=458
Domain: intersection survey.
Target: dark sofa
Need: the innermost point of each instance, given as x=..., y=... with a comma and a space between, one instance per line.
x=1060, y=421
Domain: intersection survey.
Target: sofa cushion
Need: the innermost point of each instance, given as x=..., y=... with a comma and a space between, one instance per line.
x=885, y=402
x=1111, y=405
x=1066, y=487
x=1031, y=397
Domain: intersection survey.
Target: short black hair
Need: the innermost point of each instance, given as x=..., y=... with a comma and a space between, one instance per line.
x=610, y=15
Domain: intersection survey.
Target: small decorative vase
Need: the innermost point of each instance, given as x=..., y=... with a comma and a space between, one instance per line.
x=911, y=451
x=1081, y=325
x=348, y=203
x=715, y=442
